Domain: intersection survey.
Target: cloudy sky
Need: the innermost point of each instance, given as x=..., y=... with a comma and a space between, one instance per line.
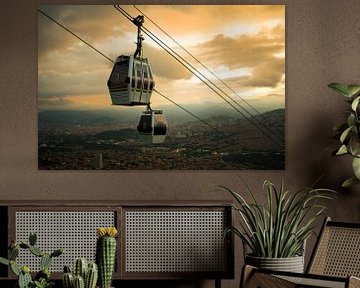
x=244, y=45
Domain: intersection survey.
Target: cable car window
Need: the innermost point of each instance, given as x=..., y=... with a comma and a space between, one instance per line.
x=146, y=80
x=145, y=124
x=133, y=77
x=138, y=70
x=138, y=84
x=160, y=125
x=119, y=74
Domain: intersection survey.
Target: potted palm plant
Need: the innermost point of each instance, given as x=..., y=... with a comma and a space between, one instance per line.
x=275, y=234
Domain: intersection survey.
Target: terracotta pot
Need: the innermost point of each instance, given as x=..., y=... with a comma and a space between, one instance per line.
x=291, y=264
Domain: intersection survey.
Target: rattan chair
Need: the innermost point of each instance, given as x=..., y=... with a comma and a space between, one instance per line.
x=334, y=263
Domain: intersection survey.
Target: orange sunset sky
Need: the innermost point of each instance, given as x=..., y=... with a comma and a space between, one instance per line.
x=243, y=44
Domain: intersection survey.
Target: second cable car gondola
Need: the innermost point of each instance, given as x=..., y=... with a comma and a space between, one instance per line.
x=131, y=81
x=152, y=127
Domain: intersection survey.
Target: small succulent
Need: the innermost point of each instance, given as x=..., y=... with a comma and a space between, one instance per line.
x=42, y=283
x=42, y=278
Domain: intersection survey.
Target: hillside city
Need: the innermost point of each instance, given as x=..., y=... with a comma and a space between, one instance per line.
x=188, y=146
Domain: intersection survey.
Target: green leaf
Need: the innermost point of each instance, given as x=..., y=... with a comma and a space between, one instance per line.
x=351, y=120
x=14, y=268
x=45, y=261
x=353, y=89
x=340, y=88
x=349, y=182
x=4, y=261
x=342, y=150
x=356, y=167
x=345, y=134
x=354, y=145
x=13, y=253
x=36, y=251
x=355, y=103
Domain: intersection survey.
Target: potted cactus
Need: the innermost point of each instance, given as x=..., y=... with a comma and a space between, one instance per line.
x=42, y=278
x=106, y=254
x=84, y=275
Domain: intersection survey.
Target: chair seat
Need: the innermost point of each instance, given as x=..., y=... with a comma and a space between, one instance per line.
x=267, y=279
x=316, y=281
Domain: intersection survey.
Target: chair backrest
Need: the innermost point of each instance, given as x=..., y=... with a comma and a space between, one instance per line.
x=337, y=251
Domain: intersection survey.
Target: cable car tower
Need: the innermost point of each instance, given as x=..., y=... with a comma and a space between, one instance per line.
x=131, y=83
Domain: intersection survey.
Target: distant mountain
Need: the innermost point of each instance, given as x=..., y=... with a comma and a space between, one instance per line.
x=263, y=131
x=131, y=115
x=78, y=117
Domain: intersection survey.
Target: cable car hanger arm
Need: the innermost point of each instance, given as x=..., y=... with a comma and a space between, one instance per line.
x=138, y=21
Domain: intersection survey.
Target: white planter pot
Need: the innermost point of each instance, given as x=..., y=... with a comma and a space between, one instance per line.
x=291, y=264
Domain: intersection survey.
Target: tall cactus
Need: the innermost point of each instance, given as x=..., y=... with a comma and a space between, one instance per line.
x=106, y=254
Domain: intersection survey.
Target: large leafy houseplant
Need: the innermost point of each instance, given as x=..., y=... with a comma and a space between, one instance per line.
x=278, y=229
x=349, y=131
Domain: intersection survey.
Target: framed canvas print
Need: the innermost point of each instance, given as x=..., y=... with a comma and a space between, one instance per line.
x=154, y=87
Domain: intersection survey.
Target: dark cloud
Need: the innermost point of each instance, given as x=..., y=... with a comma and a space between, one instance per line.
x=93, y=23
x=255, y=52
x=266, y=74
x=163, y=65
x=246, y=50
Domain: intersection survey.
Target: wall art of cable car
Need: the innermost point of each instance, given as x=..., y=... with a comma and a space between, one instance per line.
x=152, y=127
x=131, y=81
